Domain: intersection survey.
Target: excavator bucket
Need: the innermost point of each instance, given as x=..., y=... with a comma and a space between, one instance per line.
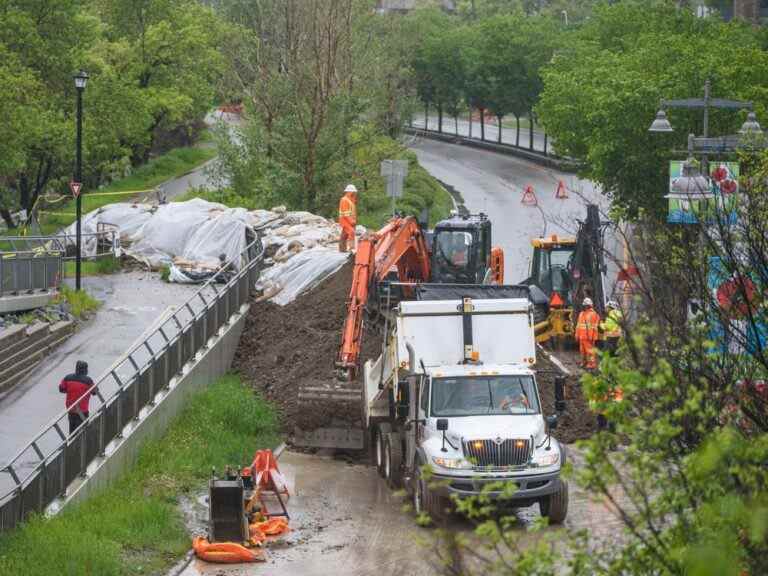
x=227, y=521
x=331, y=416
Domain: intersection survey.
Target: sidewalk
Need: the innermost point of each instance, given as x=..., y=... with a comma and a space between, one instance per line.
x=131, y=302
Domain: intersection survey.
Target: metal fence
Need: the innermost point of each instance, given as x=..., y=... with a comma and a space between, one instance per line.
x=42, y=470
x=27, y=272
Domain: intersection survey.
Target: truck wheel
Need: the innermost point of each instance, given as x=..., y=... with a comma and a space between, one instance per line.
x=379, y=446
x=426, y=501
x=393, y=461
x=555, y=506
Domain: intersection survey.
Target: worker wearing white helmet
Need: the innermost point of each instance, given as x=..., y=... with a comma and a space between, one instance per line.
x=348, y=218
x=586, y=334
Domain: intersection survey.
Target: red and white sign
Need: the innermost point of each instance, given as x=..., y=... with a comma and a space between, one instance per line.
x=75, y=187
x=561, y=192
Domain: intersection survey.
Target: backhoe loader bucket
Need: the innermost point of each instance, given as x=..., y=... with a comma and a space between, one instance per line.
x=227, y=521
x=331, y=416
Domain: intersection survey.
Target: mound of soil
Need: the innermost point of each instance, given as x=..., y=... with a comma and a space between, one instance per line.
x=578, y=421
x=283, y=347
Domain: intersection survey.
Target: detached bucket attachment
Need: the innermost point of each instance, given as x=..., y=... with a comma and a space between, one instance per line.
x=227, y=519
x=337, y=408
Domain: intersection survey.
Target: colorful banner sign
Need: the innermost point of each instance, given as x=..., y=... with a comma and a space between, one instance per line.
x=718, y=202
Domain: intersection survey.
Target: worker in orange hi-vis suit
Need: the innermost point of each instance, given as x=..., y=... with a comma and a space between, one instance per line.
x=348, y=218
x=586, y=334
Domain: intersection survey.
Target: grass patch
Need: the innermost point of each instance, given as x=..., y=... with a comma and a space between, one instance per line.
x=80, y=302
x=134, y=527
x=173, y=164
x=97, y=267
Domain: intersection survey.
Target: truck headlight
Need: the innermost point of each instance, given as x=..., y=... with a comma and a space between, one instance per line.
x=452, y=463
x=544, y=459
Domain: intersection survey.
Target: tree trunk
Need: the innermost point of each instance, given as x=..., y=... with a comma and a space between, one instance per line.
x=482, y=123
x=426, y=115
x=530, y=129
x=546, y=136
x=456, y=124
x=470, y=121
x=500, y=118
x=440, y=118
x=517, y=132
x=5, y=214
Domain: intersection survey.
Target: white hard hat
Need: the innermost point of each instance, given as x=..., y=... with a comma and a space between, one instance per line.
x=350, y=188
x=587, y=302
x=613, y=304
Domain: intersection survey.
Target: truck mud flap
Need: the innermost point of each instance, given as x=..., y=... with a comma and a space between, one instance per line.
x=340, y=438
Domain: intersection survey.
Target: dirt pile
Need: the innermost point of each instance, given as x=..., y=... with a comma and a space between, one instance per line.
x=577, y=422
x=283, y=347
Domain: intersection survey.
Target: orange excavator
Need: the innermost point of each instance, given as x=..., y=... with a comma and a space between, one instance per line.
x=400, y=256
x=402, y=260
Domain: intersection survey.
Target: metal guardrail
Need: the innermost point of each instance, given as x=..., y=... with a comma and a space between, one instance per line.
x=27, y=272
x=42, y=470
x=104, y=242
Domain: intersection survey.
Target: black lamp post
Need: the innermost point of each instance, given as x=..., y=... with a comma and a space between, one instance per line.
x=81, y=79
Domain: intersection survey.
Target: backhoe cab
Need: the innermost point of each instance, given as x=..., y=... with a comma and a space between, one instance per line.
x=461, y=251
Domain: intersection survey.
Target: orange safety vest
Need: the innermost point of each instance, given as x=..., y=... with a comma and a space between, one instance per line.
x=586, y=326
x=348, y=210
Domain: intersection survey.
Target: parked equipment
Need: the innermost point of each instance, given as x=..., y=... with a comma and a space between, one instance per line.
x=449, y=393
x=568, y=270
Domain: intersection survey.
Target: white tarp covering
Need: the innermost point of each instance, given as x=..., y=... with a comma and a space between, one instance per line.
x=284, y=282
x=189, y=237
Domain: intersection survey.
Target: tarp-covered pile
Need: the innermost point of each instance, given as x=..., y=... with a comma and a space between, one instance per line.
x=192, y=237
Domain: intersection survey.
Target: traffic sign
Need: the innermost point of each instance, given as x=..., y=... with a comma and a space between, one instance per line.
x=75, y=187
x=561, y=192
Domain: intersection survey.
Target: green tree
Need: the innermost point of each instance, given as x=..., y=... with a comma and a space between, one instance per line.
x=604, y=85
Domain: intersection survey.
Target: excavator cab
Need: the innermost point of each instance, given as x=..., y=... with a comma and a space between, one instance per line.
x=552, y=267
x=461, y=250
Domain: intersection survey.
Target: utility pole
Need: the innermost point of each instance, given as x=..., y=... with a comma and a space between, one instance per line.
x=81, y=79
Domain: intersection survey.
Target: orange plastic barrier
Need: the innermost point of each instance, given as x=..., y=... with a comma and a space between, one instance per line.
x=225, y=552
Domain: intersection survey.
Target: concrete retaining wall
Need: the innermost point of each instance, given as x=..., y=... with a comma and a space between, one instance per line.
x=121, y=454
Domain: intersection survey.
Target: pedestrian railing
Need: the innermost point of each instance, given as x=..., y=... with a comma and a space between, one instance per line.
x=30, y=271
x=104, y=242
x=41, y=472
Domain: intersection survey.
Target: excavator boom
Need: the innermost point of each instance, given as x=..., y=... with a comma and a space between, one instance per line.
x=399, y=246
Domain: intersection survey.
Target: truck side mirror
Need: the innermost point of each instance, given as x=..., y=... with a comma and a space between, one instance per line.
x=442, y=424
x=552, y=421
x=560, y=394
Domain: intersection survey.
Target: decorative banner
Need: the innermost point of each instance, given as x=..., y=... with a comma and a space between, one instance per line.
x=720, y=202
x=729, y=292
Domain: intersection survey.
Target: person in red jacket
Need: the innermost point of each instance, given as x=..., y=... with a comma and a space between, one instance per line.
x=78, y=387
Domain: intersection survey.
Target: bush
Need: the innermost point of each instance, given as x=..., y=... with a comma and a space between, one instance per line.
x=80, y=302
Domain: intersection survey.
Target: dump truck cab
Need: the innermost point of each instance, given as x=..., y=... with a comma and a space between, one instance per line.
x=461, y=250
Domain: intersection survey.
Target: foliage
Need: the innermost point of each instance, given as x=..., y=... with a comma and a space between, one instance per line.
x=153, y=66
x=602, y=90
x=80, y=303
x=101, y=265
x=250, y=188
x=135, y=526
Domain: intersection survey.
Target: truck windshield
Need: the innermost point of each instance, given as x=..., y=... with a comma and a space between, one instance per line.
x=482, y=395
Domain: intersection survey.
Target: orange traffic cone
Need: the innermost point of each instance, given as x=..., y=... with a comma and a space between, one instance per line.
x=556, y=301
x=561, y=192
x=529, y=198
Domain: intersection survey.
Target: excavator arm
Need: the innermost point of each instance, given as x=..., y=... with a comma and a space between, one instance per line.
x=398, y=245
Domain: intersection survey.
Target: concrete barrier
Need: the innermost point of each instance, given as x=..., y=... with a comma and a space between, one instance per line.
x=121, y=454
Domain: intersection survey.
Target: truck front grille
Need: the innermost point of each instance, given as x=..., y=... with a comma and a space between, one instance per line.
x=495, y=454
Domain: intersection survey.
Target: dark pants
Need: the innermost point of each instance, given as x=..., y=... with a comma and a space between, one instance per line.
x=612, y=345
x=75, y=420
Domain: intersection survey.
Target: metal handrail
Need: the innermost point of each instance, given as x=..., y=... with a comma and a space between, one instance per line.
x=249, y=260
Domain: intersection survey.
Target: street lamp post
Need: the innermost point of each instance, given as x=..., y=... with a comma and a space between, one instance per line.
x=81, y=79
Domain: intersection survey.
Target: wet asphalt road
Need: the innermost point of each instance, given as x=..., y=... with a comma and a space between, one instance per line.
x=494, y=183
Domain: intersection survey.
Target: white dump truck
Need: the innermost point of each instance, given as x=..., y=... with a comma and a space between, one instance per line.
x=455, y=389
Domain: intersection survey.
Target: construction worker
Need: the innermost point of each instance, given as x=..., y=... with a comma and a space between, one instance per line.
x=586, y=334
x=611, y=327
x=78, y=387
x=348, y=218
